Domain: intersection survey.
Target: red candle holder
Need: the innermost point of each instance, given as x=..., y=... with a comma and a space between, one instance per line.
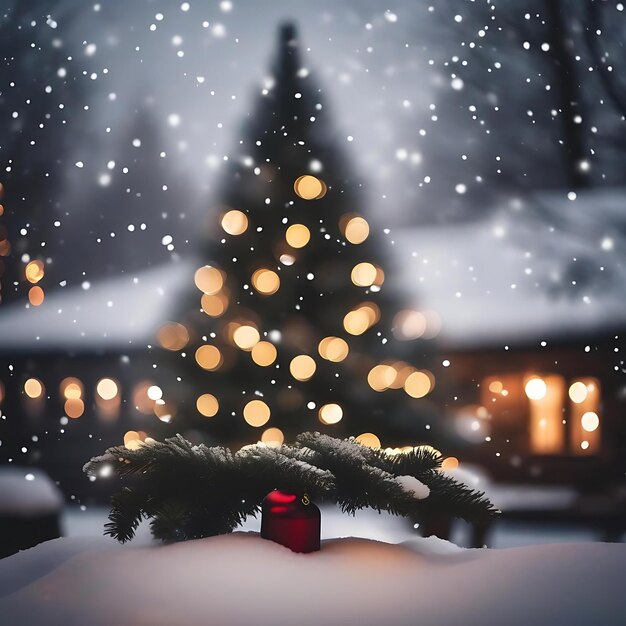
x=291, y=520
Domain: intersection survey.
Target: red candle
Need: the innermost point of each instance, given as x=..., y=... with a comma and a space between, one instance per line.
x=291, y=520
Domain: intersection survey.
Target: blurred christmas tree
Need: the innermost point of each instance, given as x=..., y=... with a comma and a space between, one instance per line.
x=290, y=326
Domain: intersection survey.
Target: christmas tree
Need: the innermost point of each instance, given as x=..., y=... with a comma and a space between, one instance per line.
x=290, y=325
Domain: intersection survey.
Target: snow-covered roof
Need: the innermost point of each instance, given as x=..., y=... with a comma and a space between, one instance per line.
x=113, y=314
x=547, y=268
x=539, y=270
x=26, y=491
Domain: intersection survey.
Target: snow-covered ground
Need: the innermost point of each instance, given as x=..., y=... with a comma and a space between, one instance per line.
x=243, y=579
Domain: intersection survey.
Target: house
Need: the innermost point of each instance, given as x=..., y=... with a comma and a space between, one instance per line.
x=531, y=305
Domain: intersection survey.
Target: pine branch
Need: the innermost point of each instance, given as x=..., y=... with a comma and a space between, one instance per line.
x=190, y=491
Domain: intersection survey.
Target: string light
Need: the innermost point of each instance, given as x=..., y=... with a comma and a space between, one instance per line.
x=173, y=336
x=264, y=353
x=363, y=274
x=207, y=405
x=34, y=271
x=107, y=388
x=333, y=349
x=36, y=295
x=209, y=357
x=354, y=228
x=235, y=222
x=209, y=279
x=33, y=388
x=214, y=305
x=302, y=367
x=578, y=392
x=309, y=187
x=256, y=413
x=418, y=384
x=298, y=235
x=273, y=437
x=266, y=281
x=369, y=439
x=246, y=337
x=330, y=413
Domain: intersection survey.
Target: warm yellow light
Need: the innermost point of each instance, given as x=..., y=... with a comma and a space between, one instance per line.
x=496, y=386
x=71, y=388
x=298, y=235
x=418, y=384
x=154, y=392
x=266, y=281
x=246, y=337
x=209, y=279
x=369, y=439
x=310, y=188
x=74, y=408
x=215, y=305
x=107, y=388
x=330, y=413
x=578, y=392
x=451, y=463
x=536, y=389
x=207, y=405
x=273, y=437
x=141, y=400
x=256, y=413
x=302, y=367
x=358, y=321
x=380, y=277
x=33, y=388
x=173, y=336
x=287, y=259
x=36, y=295
x=363, y=274
x=34, y=271
x=333, y=349
x=264, y=353
x=381, y=377
x=409, y=325
x=234, y=222
x=209, y=357
x=357, y=230
x=590, y=421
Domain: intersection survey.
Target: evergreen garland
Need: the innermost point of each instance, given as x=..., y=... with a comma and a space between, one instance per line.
x=191, y=491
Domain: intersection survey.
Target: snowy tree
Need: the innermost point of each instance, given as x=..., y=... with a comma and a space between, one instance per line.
x=290, y=323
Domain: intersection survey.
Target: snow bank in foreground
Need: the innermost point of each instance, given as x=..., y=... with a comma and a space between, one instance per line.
x=242, y=579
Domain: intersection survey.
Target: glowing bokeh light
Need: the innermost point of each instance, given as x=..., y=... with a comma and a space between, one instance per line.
x=330, y=413
x=34, y=271
x=356, y=230
x=246, y=337
x=107, y=388
x=418, y=384
x=409, y=325
x=235, y=222
x=298, y=235
x=74, y=407
x=256, y=413
x=214, y=305
x=273, y=437
x=266, y=282
x=36, y=295
x=209, y=357
x=33, y=388
x=578, y=392
x=334, y=349
x=173, y=336
x=207, y=405
x=450, y=463
x=309, y=187
x=363, y=274
x=302, y=367
x=536, y=389
x=590, y=421
x=381, y=377
x=369, y=439
x=209, y=279
x=264, y=353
